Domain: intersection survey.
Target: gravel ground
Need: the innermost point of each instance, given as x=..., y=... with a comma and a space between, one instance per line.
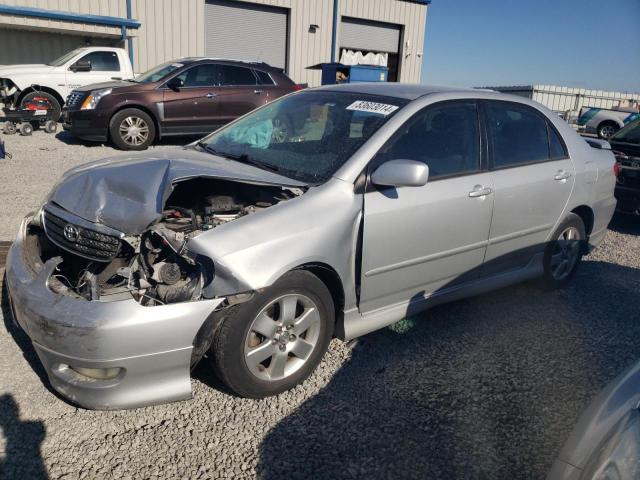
x=488, y=387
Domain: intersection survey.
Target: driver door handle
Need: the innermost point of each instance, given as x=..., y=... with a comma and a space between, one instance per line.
x=480, y=191
x=257, y=92
x=562, y=175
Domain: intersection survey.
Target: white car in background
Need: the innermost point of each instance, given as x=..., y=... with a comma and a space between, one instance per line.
x=52, y=82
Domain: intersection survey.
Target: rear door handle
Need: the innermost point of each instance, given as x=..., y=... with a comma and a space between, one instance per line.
x=211, y=95
x=480, y=191
x=257, y=92
x=562, y=175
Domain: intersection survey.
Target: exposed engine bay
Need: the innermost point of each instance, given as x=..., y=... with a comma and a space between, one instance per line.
x=155, y=268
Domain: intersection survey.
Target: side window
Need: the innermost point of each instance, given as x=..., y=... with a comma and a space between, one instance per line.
x=518, y=133
x=203, y=75
x=446, y=137
x=236, y=76
x=556, y=146
x=264, y=78
x=103, y=61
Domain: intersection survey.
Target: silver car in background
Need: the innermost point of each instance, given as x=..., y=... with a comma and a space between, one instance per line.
x=331, y=212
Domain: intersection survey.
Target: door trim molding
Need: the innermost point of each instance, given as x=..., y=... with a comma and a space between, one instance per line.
x=520, y=233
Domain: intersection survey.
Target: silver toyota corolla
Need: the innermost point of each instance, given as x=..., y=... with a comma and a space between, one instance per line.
x=331, y=212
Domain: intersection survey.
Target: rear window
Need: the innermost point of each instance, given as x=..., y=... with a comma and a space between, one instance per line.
x=264, y=78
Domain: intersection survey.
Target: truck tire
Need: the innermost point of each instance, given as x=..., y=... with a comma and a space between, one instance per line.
x=55, y=104
x=273, y=342
x=132, y=129
x=606, y=129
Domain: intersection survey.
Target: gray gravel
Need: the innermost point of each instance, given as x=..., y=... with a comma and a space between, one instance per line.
x=487, y=387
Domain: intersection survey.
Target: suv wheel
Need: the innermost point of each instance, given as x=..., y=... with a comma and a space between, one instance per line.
x=563, y=254
x=132, y=129
x=275, y=340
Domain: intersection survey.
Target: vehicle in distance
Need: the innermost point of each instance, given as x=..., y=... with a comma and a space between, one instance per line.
x=190, y=96
x=260, y=243
x=605, y=443
x=626, y=147
x=605, y=122
x=20, y=84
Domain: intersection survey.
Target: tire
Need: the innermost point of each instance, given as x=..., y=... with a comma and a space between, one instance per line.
x=607, y=129
x=132, y=129
x=9, y=128
x=50, y=126
x=290, y=354
x=55, y=104
x=568, y=245
x=26, y=129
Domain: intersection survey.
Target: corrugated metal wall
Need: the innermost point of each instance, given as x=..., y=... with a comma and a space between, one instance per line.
x=175, y=28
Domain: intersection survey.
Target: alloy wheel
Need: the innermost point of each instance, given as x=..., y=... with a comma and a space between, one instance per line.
x=607, y=131
x=282, y=337
x=134, y=131
x=566, y=253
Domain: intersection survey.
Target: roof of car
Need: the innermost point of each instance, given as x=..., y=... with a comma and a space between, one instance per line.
x=399, y=90
x=255, y=64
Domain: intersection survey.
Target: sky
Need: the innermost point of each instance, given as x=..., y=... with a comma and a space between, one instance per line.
x=576, y=43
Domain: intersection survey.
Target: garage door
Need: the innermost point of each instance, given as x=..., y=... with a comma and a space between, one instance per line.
x=369, y=36
x=21, y=46
x=246, y=31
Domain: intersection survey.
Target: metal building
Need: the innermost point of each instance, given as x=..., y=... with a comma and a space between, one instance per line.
x=292, y=34
x=564, y=100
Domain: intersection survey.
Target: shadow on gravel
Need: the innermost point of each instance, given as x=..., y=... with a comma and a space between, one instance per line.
x=178, y=141
x=488, y=387
x=22, y=457
x=626, y=224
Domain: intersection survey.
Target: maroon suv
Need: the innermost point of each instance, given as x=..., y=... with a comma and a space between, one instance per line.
x=184, y=97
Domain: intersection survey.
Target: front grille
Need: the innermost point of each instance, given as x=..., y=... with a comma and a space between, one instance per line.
x=74, y=99
x=86, y=242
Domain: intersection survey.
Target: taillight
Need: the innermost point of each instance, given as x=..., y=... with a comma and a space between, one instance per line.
x=616, y=169
x=297, y=87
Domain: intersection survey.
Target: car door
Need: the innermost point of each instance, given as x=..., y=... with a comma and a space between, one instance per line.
x=192, y=108
x=239, y=93
x=105, y=66
x=533, y=177
x=419, y=240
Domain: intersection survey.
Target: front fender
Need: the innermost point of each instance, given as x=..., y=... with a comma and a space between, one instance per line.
x=251, y=253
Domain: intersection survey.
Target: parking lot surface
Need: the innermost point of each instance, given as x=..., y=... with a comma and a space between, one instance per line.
x=487, y=387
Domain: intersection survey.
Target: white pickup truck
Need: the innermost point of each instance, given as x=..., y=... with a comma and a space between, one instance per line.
x=20, y=84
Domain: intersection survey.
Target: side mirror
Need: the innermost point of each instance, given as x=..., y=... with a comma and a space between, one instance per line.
x=401, y=173
x=176, y=83
x=81, y=66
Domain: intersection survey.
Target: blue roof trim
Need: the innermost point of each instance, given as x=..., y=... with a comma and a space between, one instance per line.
x=69, y=16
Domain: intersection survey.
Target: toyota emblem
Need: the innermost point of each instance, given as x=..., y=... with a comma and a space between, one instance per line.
x=71, y=233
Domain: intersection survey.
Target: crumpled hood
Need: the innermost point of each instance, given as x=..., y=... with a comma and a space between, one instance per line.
x=128, y=192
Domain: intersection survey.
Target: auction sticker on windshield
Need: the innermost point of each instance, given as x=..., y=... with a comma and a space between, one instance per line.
x=372, y=107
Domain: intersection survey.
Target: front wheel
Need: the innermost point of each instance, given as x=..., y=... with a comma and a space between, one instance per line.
x=606, y=130
x=132, y=129
x=563, y=253
x=275, y=340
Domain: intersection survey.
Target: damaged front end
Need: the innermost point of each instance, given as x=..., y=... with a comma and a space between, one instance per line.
x=156, y=266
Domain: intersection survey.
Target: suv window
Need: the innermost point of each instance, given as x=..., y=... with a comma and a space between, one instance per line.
x=103, y=61
x=446, y=137
x=236, y=76
x=519, y=134
x=264, y=78
x=203, y=75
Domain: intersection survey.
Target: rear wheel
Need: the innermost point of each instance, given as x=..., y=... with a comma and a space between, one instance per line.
x=132, y=129
x=607, y=129
x=563, y=254
x=275, y=340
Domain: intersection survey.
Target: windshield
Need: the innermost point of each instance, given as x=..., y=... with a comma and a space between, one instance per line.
x=64, y=58
x=306, y=136
x=629, y=134
x=158, y=73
